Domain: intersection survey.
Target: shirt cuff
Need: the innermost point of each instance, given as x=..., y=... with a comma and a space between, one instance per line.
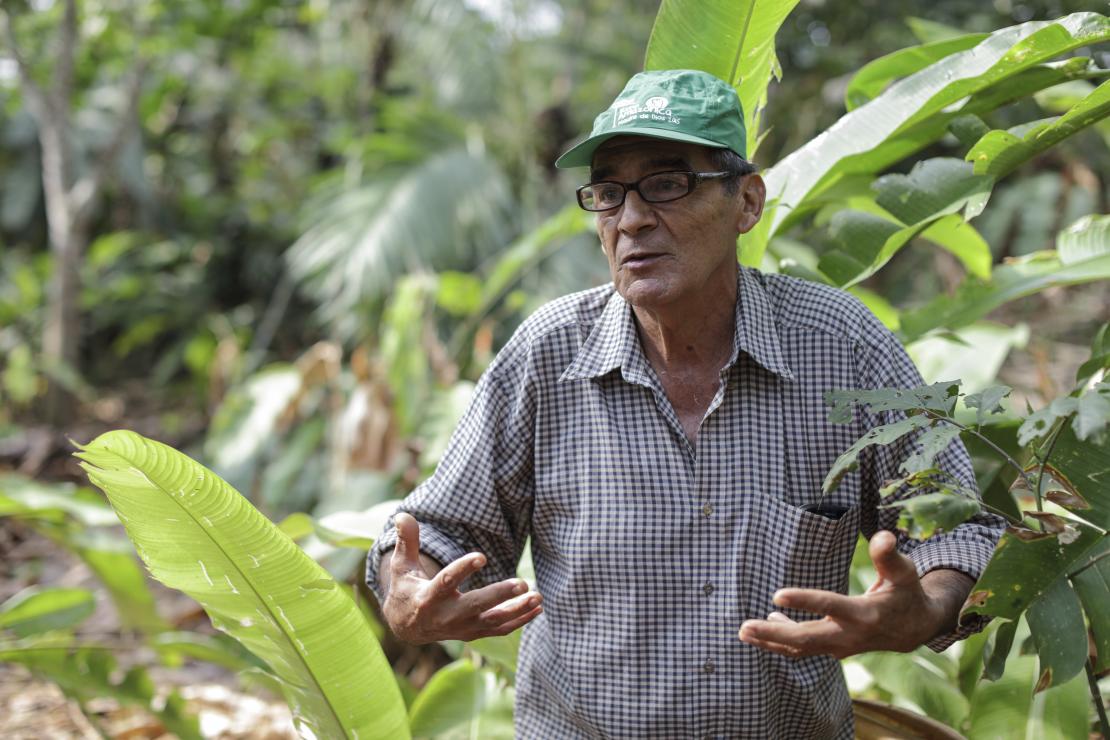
x=951, y=552
x=433, y=543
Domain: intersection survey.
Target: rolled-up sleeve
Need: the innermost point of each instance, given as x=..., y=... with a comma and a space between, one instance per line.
x=480, y=497
x=966, y=548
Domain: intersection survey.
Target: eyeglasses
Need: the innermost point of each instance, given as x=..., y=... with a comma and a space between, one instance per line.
x=660, y=187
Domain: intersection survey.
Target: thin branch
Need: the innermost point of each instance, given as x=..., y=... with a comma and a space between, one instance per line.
x=85, y=191
x=37, y=101
x=1096, y=696
x=960, y=491
x=63, y=71
x=1051, y=445
x=983, y=438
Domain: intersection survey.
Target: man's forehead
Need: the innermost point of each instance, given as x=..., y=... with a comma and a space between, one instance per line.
x=645, y=149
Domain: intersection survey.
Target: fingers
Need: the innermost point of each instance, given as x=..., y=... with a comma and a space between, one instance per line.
x=512, y=609
x=787, y=637
x=482, y=599
x=890, y=564
x=517, y=623
x=447, y=580
x=406, y=556
x=825, y=603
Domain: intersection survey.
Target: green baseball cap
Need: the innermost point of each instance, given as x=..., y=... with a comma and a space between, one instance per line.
x=675, y=104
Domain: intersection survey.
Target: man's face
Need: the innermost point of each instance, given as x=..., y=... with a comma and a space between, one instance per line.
x=661, y=253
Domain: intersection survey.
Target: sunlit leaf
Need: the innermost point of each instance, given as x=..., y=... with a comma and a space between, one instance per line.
x=732, y=39
x=1038, y=424
x=454, y=695
x=197, y=534
x=1015, y=279
x=922, y=516
x=876, y=134
x=36, y=610
x=356, y=529
x=909, y=677
x=1092, y=414
x=874, y=76
x=1000, y=152
x=219, y=649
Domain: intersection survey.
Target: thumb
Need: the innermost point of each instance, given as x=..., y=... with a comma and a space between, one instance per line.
x=407, y=553
x=891, y=565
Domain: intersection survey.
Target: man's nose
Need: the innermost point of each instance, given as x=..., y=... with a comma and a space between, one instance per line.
x=636, y=214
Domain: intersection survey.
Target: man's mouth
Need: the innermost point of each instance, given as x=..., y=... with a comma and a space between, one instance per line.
x=641, y=259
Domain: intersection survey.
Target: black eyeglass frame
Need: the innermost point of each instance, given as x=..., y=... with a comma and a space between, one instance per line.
x=693, y=179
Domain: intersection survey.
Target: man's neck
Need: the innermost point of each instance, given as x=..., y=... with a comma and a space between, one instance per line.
x=692, y=336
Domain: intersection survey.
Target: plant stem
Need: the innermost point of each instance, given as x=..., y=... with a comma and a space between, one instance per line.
x=982, y=503
x=984, y=439
x=1096, y=696
x=1044, y=461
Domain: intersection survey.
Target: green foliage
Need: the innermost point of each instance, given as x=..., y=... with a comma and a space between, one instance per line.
x=87, y=672
x=732, y=39
x=36, y=610
x=253, y=581
x=455, y=694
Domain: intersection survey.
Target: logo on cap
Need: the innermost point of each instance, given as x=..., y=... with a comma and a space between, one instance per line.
x=656, y=105
x=651, y=110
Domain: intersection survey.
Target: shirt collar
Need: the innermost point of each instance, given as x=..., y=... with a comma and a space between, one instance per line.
x=614, y=342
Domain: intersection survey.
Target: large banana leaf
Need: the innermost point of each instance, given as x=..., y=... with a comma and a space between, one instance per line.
x=1083, y=257
x=197, y=534
x=1000, y=152
x=877, y=134
x=732, y=39
x=872, y=77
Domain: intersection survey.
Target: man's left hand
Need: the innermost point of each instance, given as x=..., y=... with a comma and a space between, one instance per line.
x=899, y=612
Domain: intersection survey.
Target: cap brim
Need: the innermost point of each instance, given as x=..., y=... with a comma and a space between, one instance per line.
x=581, y=155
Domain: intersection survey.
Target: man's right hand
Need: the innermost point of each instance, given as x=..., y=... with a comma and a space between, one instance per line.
x=425, y=607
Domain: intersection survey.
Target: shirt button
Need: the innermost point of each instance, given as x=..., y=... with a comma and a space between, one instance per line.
x=707, y=589
x=707, y=509
x=708, y=666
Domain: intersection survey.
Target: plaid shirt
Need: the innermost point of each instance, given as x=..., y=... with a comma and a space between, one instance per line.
x=650, y=551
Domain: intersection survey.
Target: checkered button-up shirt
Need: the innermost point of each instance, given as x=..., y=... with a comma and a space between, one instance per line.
x=651, y=551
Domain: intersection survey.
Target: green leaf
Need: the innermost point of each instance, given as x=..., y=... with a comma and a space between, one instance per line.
x=1092, y=583
x=958, y=237
x=930, y=32
x=297, y=525
x=934, y=441
x=923, y=515
x=874, y=76
x=941, y=185
x=1000, y=152
x=994, y=658
x=1082, y=468
x=1056, y=622
x=916, y=110
x=940, y=397
x=1020, y=571
x=218, y=649
x=1093, y=412
x=88, y=672
x=1087, y=238
x=882, y=435
x=911, y=677
x=1008, y=708
x=36, y=610
x=455, y=694
x=1100, y=356
x=732, y=39
x=458, y=293
x=31, y=498
x=1038, y=424
x=501, y=650
x=1016, y=279
x=988, y=401
x=356, y=529
x=197, y=534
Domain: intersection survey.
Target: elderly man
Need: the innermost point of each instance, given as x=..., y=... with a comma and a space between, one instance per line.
x=662, y=440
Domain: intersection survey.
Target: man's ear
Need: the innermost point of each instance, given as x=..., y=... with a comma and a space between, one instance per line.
x=750, y=200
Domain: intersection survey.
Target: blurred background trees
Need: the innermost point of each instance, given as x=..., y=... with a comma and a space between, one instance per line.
x=286, y=235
